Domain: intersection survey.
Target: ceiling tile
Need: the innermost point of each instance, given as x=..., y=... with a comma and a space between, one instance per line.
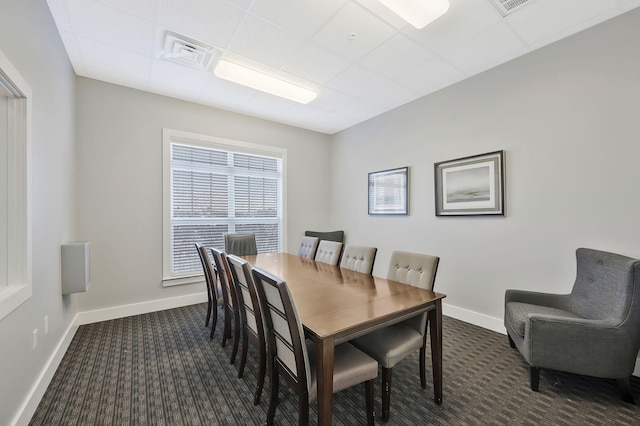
x=489, y=47
x=316, y=64
x=360, y=110
x=209, y=21
x=145, y=9
x=225, y=94
x=630, y=4
x=302, y=18
x=108, y=63
x=463, y=19
x=330, y=100
x=177, y=79
x=352, y=19
x=395, y=56
x=265, y=43
x=356, y=81
x=430, y=76
x=545, y=21
x=93, y=20
x=390, y=95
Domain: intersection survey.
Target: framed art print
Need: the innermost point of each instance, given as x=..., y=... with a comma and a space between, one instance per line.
x=470, y=185
x=388, y=192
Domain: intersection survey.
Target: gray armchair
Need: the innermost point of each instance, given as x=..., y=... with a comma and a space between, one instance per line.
x=593, y=331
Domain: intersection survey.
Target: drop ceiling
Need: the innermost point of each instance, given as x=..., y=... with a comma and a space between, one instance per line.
x=360, y=58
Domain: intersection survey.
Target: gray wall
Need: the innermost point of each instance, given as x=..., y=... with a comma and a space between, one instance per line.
x=120, y=183
x=567, y=116
x=29, y=39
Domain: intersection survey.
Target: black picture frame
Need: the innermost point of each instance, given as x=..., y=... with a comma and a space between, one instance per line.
x=389, y=192
x=471, y=186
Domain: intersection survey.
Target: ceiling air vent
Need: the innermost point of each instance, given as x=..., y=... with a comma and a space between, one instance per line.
x=506, y=7
x=186, y=51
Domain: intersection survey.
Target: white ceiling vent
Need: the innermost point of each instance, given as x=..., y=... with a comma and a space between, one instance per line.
x=506, y=7
x=186, y=51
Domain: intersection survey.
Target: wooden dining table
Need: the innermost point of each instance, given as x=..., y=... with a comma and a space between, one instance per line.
x=336, y=305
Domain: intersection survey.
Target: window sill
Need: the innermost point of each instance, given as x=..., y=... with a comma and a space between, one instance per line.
x=191, y=279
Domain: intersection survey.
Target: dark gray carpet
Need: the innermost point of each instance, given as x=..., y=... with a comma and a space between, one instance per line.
x=162, y=369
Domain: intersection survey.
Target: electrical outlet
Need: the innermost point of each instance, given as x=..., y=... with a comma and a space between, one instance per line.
x=34, y=339
x=46, y=325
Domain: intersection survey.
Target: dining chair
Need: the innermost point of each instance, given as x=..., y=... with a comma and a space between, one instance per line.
x=240, y=244
x=231, y=315
x=328, y=252
x=394, y=343
x=250, y=318
x=308, y=247
x=292, y=357
x=337, y=236
x=358, y=258
x=210, y=278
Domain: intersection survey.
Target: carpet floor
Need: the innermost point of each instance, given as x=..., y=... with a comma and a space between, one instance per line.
x=162, y=369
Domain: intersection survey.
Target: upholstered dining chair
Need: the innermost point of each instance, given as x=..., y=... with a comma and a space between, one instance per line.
x=337, y=236
x=392, y=344
x=328, y=252
x=210, y=278
x=250, y=318
x=240, y=244
x=592, y=331
x=308, y=247
x=358, y=258
x=292, y=357
x=231, y=314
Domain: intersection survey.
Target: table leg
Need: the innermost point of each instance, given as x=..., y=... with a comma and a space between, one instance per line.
x=435, y=328
x=324, y=371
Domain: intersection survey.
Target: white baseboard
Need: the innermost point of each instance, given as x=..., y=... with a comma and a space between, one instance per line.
x=139, y=308
x=37, y=391
x=481, y=320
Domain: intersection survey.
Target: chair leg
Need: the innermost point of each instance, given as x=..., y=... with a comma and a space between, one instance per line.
x=206, y=321
x=511, y=342
x=423, y=369
x=261, y=373
x=236, y=337
x=386, y=393
x=226, y=333
x=273, y=397
x=214, y=313
x=368, y=390
x=624, y=385
x=243, y=353
x=535, y=378
x=303, y=409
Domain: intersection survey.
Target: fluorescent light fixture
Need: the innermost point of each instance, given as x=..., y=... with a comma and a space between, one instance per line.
x=418, y=13
x=263, y=82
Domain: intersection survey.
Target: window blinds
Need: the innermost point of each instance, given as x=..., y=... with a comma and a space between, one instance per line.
x=215, y=191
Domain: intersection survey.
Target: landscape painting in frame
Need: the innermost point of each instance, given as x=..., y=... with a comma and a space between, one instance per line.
x=388, y=192
x=470, y=185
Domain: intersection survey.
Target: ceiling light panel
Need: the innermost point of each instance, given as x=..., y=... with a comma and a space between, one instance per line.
x=418, y=13
x=265, y=83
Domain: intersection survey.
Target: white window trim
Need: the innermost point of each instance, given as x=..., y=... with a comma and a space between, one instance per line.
x=211, y=142
x=19, y=277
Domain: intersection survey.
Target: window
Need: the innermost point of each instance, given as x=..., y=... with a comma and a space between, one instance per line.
x=214, y=186
x=15, y=217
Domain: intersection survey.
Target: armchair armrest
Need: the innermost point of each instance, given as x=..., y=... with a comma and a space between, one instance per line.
x=559, y=301
x=596, y=348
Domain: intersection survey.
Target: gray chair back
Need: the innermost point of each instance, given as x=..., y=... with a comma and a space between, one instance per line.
x=416, y=269
x=285, y=335
x=604, y=286
x=328, y=252
x=308, y=247
x=240, y=244
x=245, y=289
x=337, y=236
x=358, y=258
